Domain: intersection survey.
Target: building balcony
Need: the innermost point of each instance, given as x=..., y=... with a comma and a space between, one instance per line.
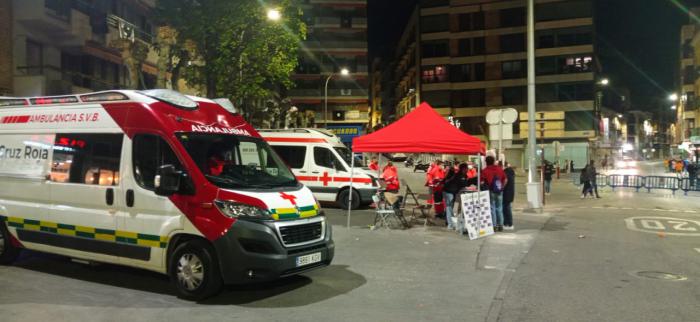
x=58, y=20
x=351, y=46
x=335, y=22
x=340, y=2
x=52, y=80
x=332, y=93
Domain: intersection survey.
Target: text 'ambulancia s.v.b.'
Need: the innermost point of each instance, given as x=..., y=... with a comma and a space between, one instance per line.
x=156, y=180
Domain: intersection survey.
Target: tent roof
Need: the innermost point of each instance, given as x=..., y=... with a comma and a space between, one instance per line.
x=422, y=130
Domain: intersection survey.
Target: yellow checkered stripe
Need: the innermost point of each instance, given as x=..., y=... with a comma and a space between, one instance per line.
x=116, y=236
x=294, y=213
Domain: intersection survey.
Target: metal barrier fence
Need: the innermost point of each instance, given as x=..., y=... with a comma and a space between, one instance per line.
x=647, y=182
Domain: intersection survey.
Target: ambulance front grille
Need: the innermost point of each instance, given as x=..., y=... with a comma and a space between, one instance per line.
x=302, y=233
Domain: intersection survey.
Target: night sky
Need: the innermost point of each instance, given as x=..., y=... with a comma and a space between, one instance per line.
x=638, y=42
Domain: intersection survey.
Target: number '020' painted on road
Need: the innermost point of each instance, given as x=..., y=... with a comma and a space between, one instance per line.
x=667, y=225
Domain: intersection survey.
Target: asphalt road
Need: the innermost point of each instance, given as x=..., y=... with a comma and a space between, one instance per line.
x=580, y=260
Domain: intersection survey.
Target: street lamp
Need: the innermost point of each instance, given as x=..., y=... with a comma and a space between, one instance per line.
x=673, y=97
x=604, y=82
x=673, y=107
x=343, y=72
x=274, y=14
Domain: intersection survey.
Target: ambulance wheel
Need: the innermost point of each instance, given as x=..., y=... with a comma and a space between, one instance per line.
x=8, y=252
x=194, y=271
x=344, y=199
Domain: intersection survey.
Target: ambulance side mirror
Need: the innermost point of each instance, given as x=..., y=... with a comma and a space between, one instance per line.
x=167, y=180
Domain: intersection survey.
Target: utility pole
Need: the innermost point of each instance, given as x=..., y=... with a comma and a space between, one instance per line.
x=533, y=185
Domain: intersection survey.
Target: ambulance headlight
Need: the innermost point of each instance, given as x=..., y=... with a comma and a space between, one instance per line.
x=239, y=210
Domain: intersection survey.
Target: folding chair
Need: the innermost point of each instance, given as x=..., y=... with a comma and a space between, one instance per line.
x=384, y=211
x=424, y=209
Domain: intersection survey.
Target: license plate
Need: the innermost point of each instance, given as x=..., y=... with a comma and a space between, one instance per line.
x=308, y=259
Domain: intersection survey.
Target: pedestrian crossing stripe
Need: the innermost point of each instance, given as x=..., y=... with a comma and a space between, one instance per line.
x=109, y=235
x=294, y=213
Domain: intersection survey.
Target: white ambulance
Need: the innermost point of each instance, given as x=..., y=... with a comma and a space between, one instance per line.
x=156, y=180
x=322, y=162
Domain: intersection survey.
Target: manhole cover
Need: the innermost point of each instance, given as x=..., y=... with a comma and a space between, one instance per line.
x=660, y=276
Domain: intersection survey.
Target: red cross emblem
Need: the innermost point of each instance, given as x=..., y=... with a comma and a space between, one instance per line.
x=325, y=179
x=290, y=198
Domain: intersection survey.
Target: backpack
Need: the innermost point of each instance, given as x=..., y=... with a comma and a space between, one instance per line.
x=496, y=185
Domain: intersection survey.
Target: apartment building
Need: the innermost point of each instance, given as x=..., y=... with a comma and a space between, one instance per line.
x=689, y=83
x=64, y=46
x=336, y=40
x=470, y=57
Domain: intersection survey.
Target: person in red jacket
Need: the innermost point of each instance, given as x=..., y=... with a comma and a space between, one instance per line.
x=391, y=177
x=373, y=164
x=496, y=180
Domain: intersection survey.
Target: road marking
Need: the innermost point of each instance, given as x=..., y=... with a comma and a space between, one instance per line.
x=666, y=225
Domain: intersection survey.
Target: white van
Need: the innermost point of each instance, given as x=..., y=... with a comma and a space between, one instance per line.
x=156, y=180
x=322, y=162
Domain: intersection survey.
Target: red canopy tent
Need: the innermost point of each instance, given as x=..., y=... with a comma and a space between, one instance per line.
x=421, y=131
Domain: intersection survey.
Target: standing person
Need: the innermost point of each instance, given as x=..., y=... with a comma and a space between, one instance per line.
x=373, y=164
x=692, y=174
x=586, y=181
x=435, y=177
x=604, y=163
x=679, y=167
x=593, y=174
x=548, y=172
x=566, y=165
x=508, y=197
x=495, y=179
x=571, y=166
x=455, y=181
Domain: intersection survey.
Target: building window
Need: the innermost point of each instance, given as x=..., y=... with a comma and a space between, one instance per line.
x=512, y=43
x=581, y=64
x=471, y=21
x=437, y=48
x=564, y=10
x=469, y=98
x=564, y=37
x=689, y=75
x=346, y=20
x=473, y=125
x=437, y=98
x=564, y=92
x=514, y=95
x=471, y=46
x=87, y=158
x=513, y=17
x=513, y=69
x=579, y=121
x=435, y=74
x=435, y=23
x=35, y=57
x=546, y=65
x=460, y=73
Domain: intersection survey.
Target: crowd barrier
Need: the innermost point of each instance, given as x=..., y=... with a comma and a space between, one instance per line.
x=643, y=182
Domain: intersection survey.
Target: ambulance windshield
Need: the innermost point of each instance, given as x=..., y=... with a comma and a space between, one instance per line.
x=237, y=162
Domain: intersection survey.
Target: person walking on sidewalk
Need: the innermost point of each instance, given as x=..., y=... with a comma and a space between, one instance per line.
x=454, y=182
x=548, y=172
x=508, y=197
x=586, y=181
x=593, y=174
x=495, y=179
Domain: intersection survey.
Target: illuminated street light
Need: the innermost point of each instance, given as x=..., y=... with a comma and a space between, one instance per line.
x=604, y=82
x=343, y=72
x=274, y=15
x=673, y=107
x=673, y=97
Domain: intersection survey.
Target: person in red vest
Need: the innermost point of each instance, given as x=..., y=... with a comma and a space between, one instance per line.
x=435, y=177
x=391, y=177
x=496, y=180
x=373, y=164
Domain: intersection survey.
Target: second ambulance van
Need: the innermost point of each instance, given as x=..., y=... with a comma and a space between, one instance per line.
x=322, y=162
x=156, y=180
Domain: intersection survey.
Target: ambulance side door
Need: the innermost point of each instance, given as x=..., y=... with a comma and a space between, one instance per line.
x=147, y=219
x=84, y=183
x=328, y=169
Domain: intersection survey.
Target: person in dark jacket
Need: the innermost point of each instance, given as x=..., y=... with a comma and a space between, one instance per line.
x=548, y=172
x=454, y=182
x=586, y=181
x=508, y=197
x=593, y=175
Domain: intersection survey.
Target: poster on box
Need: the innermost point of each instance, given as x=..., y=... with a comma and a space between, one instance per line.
x=476, y=209
x=26, y=155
